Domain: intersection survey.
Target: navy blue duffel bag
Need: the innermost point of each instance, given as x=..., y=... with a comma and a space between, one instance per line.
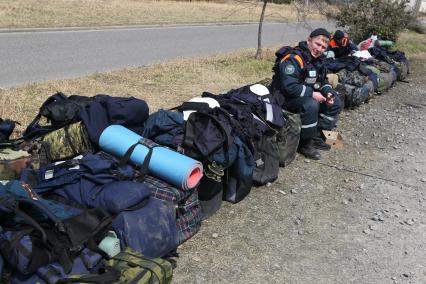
x=93, y=181
x=143, y=223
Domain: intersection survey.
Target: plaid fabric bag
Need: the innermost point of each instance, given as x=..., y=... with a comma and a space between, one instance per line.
x=188, y=208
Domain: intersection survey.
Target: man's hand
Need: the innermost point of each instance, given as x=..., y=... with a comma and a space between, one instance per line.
x=318, y=97
x=329, y=99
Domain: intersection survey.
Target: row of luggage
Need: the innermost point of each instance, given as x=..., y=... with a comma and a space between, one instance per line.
x=373, y=71
x=73, y=208
x=63, y=197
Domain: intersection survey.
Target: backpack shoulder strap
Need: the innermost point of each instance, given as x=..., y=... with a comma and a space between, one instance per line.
x=295, y=56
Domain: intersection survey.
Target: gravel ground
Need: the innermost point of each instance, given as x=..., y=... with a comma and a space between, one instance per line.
x=321, y=221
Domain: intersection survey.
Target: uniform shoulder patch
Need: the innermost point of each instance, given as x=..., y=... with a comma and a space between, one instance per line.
x=289, y=69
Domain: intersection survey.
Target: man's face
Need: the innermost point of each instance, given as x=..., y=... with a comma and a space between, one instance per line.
x=317, y=45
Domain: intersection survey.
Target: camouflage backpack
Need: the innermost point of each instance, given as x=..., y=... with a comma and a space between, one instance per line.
x=382, y=66
x=61, y=144
x=354, y=78
x=67, y=142
x=128, y=266
x=354, y=96
x=402, y=70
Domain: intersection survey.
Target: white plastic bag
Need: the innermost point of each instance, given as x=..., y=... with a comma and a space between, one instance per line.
x=362, y=54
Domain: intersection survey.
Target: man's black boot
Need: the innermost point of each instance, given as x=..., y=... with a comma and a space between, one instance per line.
x=320, y=144
x=308, y=150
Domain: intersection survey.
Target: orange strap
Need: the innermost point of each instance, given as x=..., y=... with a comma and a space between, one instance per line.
x=333, y=43
x=297, y=57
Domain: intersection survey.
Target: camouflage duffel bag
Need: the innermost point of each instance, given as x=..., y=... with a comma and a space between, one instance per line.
x=354, y=96
x=382, y=66
x=386, y=80
x=344, y=91
x=354, y=78
x=128, y=267
x=402, y=70
x=62, y=144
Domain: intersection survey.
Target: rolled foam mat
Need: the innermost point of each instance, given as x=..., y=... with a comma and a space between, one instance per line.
x=173, y=167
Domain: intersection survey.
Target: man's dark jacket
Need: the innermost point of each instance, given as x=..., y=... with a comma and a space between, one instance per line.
x=300, y=74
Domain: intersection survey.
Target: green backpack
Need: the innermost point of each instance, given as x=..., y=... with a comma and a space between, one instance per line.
x=128, y=266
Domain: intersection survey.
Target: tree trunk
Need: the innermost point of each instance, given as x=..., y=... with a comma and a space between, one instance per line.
x=259, y=33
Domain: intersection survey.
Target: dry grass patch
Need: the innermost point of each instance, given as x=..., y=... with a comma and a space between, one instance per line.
x=68, y=13
x=161, y=85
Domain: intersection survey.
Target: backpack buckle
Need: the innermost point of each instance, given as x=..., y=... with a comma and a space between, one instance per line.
x=216, y=169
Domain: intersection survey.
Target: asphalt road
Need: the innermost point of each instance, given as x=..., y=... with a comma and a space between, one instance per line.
x=39, y=55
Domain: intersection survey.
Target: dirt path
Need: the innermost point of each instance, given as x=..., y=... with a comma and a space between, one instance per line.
x=319, y=224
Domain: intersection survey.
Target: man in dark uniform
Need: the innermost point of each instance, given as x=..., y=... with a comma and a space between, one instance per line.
x=300, y=80
x=341, y=45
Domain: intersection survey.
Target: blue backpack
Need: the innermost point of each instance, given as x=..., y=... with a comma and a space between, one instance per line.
x=37, y=232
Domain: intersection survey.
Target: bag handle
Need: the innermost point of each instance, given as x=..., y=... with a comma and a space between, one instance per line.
x=143, y=169
x=29, y=133
x=196, y=106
